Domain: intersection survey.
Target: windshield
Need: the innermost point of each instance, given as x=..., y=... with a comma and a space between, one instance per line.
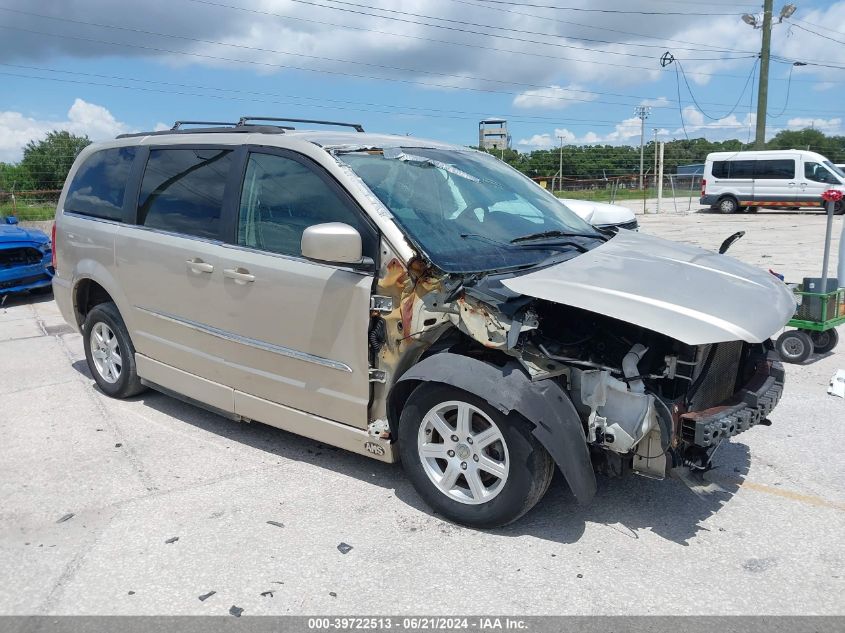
x=464, y=208
x=834, y=169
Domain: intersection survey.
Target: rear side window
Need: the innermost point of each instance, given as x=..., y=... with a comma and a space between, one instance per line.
x=775, y=169
x=281, y=197
x=182, y=190
x=733, y=169
x=741, y=168
x=720, y=169
x=99, y=185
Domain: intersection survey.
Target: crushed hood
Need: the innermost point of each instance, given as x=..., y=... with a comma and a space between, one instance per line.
x=687, y=293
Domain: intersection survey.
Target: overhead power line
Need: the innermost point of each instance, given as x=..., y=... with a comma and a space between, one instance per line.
x=662, y=42
x=498, y=28
x=483, y=33
x=320, y=58
x=588, y=98
x=589, y=95
x=614, y=11
x=246, y=96
x=531, y=53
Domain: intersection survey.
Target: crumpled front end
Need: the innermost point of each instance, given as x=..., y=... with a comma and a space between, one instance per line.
x=651, y=416
x=24, y=266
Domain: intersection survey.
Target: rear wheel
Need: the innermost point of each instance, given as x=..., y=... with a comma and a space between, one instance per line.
x=794, y=346
x=824, y=342
x=467, y=460
x=110, y=353
x=727, y=204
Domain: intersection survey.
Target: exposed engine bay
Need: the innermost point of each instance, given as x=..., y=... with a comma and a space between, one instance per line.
x=647, y=402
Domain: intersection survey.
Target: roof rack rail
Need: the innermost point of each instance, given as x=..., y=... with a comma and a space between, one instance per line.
x=227, y=129
x=244, y=119
x=178, y=124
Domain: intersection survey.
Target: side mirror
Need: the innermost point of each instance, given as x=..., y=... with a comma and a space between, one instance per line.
x=333, y=243
x=10, y=219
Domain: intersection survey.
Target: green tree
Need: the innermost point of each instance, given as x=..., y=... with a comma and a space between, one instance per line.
x=831, y=147
x=14, y=178
x=48, y=161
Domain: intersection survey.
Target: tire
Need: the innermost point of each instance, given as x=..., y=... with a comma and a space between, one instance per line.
x=728, y=204
x=839, y=208
x=794, y=346
x=824, y=342
x=492, y=500
x=110, y=353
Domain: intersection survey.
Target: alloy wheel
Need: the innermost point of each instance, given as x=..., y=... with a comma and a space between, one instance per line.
x=463, y=452
x=105, y=352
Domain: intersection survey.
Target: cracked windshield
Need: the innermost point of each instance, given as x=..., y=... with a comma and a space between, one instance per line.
x=470, y=212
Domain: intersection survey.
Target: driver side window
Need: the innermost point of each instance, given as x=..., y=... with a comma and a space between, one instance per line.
x=818, y=173
x=281, y=197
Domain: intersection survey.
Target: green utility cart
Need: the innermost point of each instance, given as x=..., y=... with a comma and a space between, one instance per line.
x=816, y=318
x=820, y=302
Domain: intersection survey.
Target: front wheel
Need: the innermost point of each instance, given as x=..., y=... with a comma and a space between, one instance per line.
x=824, y=342
x=794, y=346
x=110, y=353
x=467, y=460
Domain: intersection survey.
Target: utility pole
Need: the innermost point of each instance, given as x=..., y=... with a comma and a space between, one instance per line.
x=560, y=165
x=642, y=112
x=763, y=88
x=765, y=52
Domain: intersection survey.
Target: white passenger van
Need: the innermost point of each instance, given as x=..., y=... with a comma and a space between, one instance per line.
x=740, y=181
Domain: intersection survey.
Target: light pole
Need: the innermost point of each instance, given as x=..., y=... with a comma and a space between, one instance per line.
x=642, y=112
x=654, y=129
x=560, y=164
x=765, y=52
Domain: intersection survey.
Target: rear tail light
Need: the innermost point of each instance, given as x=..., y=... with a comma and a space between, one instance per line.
x=53, y=246
x=703, y=186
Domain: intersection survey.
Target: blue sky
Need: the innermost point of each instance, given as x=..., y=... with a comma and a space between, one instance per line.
x=574, y=69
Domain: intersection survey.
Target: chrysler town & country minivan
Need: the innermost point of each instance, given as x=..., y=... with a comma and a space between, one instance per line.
x=409, y=300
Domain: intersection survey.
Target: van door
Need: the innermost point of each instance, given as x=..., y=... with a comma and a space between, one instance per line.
x=296, y=329
x=775, y=182
x=815, y=181
x=169, y=264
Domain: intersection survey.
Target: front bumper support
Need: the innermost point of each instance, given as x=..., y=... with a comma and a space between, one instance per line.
x=745, y=409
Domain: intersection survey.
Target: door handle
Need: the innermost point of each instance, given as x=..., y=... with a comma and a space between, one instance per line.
x=240, y=275
x=199, y=266
x=791, y=184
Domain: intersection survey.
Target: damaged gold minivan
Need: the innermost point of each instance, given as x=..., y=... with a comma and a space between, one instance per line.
x=409, y=300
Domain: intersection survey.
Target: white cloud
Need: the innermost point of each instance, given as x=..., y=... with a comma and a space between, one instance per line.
x=538, y=141
x=824, y=86
x=545, y=141
x=83, y=118
x=828, y=126
x=660, y=102
x=553, y=97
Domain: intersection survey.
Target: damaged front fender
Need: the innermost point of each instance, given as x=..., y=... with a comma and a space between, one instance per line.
x=544, y=403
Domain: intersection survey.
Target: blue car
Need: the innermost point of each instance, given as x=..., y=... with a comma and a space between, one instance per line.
x=25, y=258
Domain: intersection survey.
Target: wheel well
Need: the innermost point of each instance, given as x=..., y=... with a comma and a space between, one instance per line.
x=728, y=195
x=87, y=295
